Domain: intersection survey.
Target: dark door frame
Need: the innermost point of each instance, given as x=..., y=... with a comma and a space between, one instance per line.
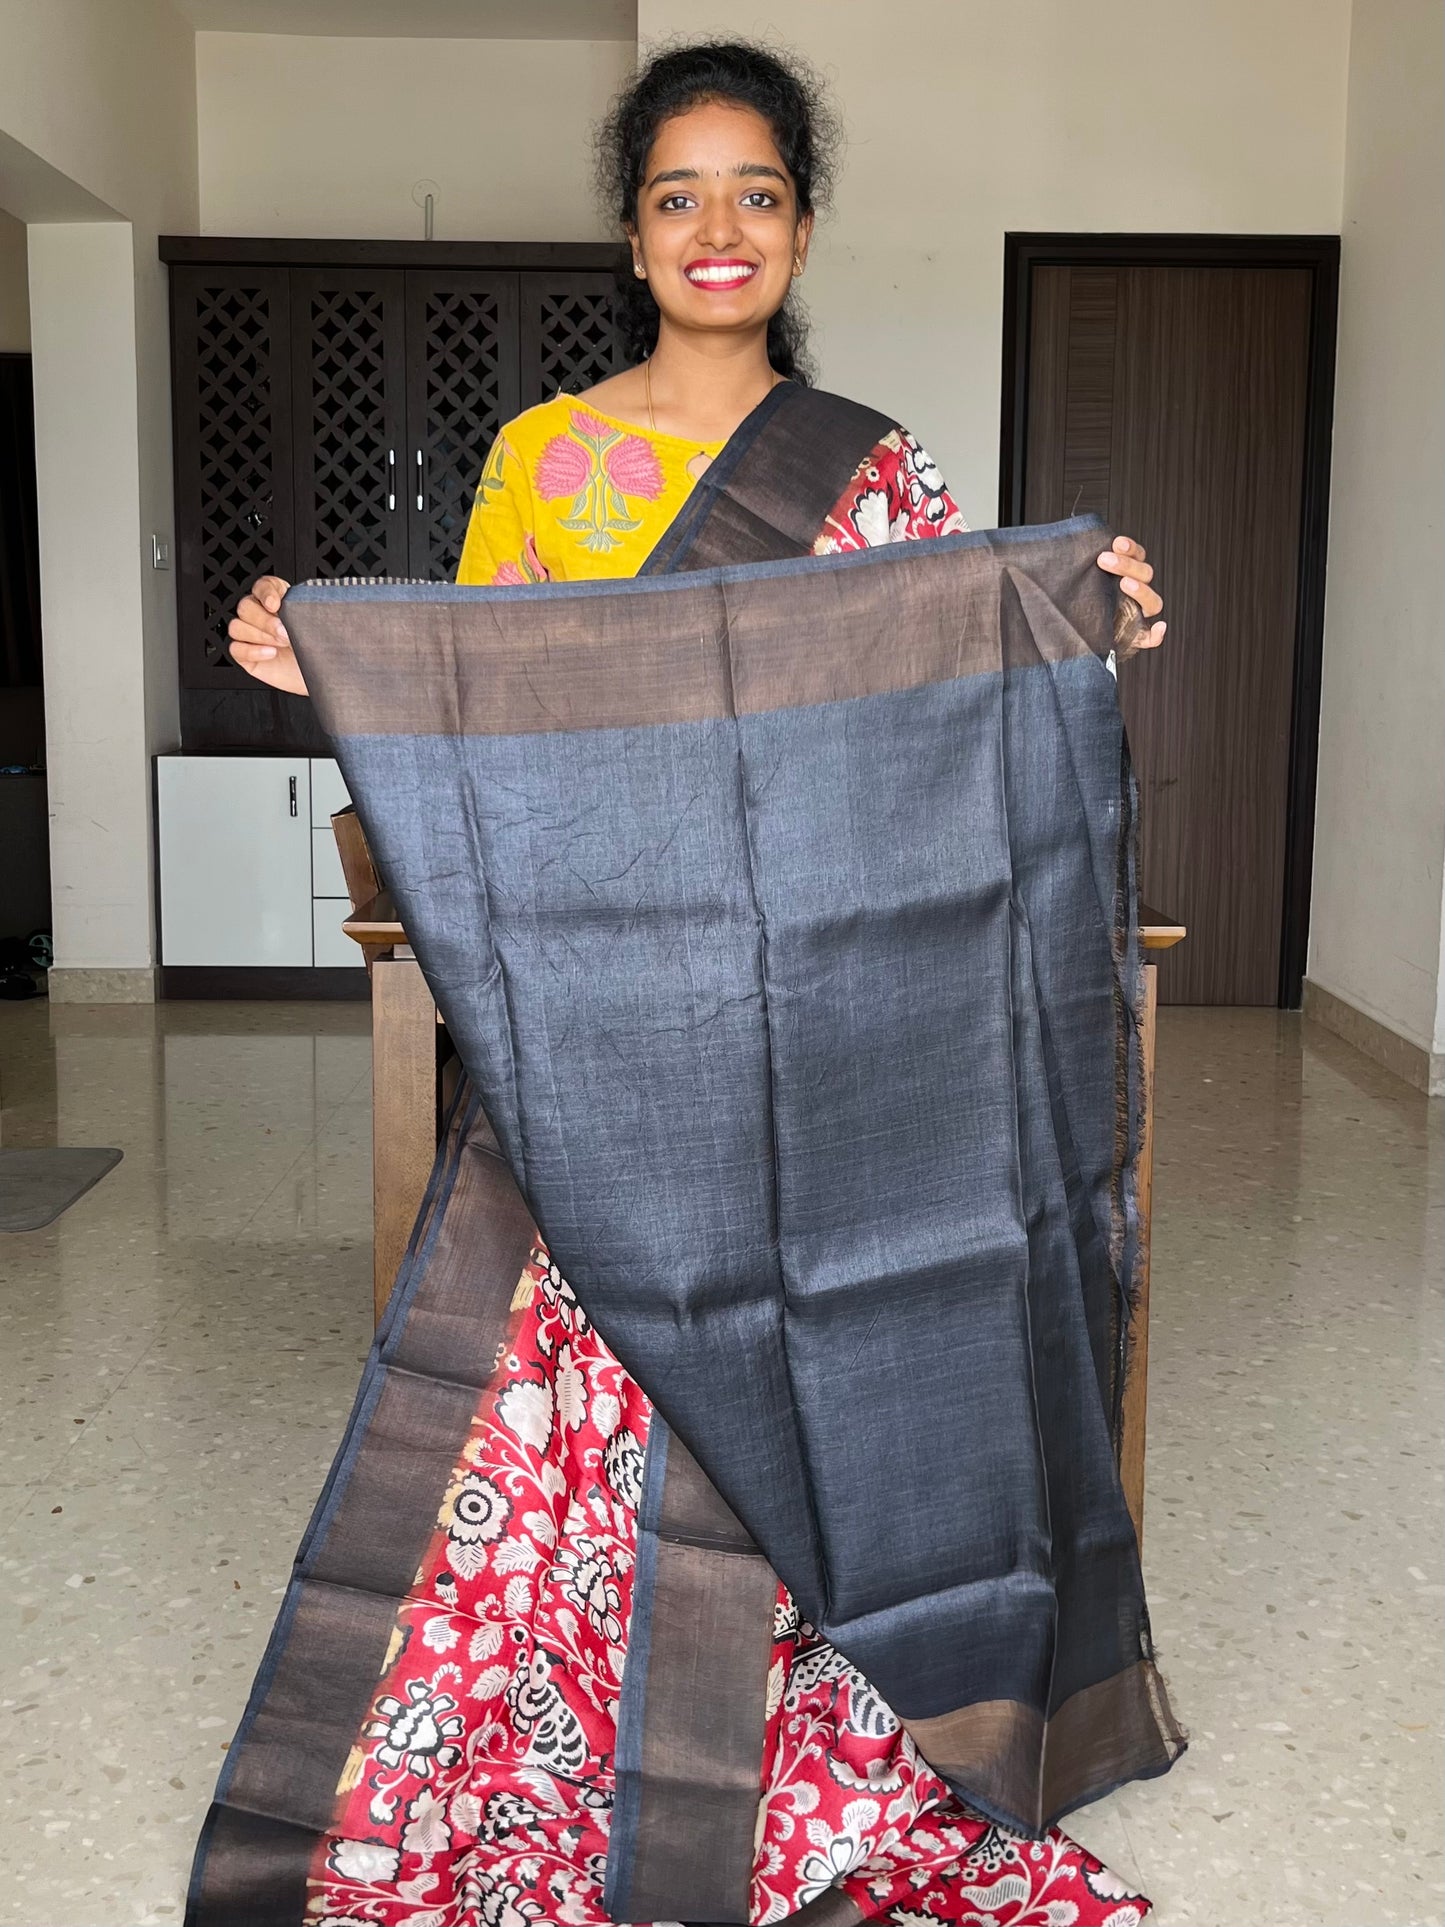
x=1320, y=254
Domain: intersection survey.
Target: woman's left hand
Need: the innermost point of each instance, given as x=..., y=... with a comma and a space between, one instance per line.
x=1127, y=561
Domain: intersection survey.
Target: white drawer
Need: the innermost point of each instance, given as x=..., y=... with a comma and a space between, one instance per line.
x=328, y=792
x=330, y=945
x=328, y=879
x=235, y=866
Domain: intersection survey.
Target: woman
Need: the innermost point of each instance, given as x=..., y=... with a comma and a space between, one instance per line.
x=481, y=1785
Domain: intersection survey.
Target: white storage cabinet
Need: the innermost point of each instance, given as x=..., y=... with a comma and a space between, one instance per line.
x=248, y=868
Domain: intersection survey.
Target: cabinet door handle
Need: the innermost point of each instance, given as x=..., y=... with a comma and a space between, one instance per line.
x=391, y=478
x=420, y=482
x=293, y=796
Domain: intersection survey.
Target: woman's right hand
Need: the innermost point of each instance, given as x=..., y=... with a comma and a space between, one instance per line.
x=258, y=640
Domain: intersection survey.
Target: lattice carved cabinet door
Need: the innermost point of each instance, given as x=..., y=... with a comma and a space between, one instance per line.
x=232, y=403
x=569, y=339
x=461, y=356
x=348, y=329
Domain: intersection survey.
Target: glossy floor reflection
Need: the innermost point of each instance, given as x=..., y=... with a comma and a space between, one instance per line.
x=181, y=1349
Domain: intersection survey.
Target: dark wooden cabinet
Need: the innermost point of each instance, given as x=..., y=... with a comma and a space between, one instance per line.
x=333, y=404
x=231, y=376
x=349, y=428
x=566, y=325
x=464, y=379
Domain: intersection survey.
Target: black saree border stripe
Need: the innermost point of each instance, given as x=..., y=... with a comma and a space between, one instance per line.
x=259, y=1867
x=831, y=1908
x=775, y=501
x=442, y=1176
x=676, y=539
x=369, y=1530
x=212, y=1874
x=692, y=1725
x=317, y=1696
x=419, y=1246
x=784, y=468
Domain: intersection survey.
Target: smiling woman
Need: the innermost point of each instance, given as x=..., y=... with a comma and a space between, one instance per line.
x=511, y=1748
x=771, y=124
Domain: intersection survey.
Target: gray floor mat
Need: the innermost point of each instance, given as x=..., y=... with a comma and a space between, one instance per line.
x=36, y=1186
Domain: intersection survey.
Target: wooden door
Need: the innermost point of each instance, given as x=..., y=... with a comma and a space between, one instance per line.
x=569, y=338
x=1175, y=400
x=348, y=334
x=462, y=383
x=231, y=397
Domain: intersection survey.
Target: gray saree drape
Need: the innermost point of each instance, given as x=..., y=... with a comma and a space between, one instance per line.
x=783, y=916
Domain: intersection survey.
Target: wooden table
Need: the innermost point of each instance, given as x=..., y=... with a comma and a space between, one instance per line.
x=1156, y=932
x=406, y=1103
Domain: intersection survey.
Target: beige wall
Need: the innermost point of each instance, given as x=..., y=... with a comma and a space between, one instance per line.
x=97, y=131
x=82, y=279
x=105, y=94
x=967, y=119
x=1380, y=838
x=964, y=121
x=14, y=287
x=324, y=137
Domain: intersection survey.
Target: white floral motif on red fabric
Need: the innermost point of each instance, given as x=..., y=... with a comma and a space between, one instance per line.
x=897, y=495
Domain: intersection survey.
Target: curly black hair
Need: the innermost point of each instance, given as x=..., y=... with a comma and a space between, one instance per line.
x=790, y=98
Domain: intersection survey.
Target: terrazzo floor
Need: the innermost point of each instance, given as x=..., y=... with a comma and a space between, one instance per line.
x=180, y=1352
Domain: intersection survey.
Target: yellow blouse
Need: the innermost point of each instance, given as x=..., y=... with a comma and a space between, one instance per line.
x=568, y=492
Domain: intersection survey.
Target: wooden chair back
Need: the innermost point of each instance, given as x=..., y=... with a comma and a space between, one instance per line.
x=362, y=881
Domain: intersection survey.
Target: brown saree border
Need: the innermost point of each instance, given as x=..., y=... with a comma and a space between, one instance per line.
x=437, y=1353
x=693, y=1726
x=449, y=661
x=1013, y=1759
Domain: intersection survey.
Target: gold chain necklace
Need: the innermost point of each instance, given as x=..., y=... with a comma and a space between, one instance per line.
x=647, y=385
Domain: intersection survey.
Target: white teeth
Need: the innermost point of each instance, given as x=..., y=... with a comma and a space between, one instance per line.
x=720, y=275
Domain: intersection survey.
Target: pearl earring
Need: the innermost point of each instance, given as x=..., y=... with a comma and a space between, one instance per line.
x=639, y=270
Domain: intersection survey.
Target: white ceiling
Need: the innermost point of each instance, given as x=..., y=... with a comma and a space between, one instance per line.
x=420, y=19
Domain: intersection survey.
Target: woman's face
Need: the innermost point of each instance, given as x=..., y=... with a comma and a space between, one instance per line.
x=718, y=229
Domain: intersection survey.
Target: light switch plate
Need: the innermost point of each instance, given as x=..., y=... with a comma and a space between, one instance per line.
x=160, y=552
